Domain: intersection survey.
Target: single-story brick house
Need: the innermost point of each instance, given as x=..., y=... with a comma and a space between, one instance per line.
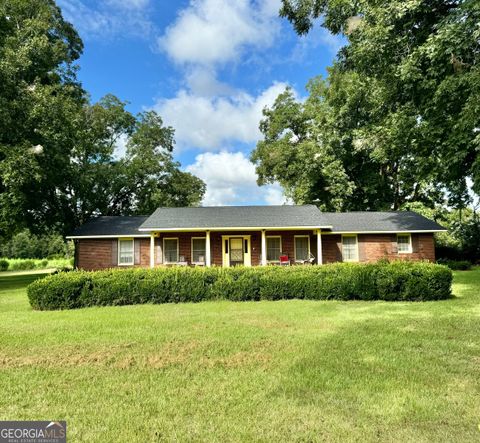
x=251, y=236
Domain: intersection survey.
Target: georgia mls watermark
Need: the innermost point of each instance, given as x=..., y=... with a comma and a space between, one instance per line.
x=33, y=432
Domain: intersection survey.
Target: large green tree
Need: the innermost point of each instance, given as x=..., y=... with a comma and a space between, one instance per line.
x=399, y=111
x=144, y=177
x=297, y=150
x=38, y=95
x=58, y=160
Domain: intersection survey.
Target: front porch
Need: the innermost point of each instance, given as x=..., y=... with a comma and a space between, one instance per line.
x=235, y=248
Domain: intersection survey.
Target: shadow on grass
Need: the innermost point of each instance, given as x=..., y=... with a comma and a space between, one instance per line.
x=12, y=282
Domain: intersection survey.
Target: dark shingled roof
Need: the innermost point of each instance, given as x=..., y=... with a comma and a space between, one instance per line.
x=390, y=221
x=112, y=225
x=235, y=217
x=257, y=217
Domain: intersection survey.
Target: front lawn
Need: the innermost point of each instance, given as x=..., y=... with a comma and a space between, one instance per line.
x=253, y=371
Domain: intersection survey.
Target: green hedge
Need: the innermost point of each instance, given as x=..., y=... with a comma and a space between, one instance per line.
x=456, y=265
x=4, y=264
x=341, y=281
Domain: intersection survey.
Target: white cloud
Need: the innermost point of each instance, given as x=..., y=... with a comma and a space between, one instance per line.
x=129, y=4
x=211, y=122
x=216, y=31
x=109, y=18
x=274, y=195
x=203, y=82
x=270, y=8
x=120, y=148
x=474, y=197
x=316, y=38
x=231, y=180
x=209, y=114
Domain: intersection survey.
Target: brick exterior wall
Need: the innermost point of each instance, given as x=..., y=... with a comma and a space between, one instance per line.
x=332, y=248
x=92, y=254
x=144, y=252
x=372, y=247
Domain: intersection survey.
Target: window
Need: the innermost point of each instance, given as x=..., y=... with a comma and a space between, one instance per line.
x=404, y=243
x=274, y=248
x=125, y=252
x=198, y=250
x=349, y=248
x=170, y=250
x=302, y=248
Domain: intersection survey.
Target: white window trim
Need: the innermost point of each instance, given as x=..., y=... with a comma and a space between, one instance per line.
x=295, y=247
x=410, y=248
x=133, y=251
x=191, y=249
x=178, y=250
x=356, y=244
x=266, y=245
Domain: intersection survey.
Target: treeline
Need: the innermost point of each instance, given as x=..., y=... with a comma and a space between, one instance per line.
x=396, y=120
x=462, y=242
x=64, y=159
x=26, y=245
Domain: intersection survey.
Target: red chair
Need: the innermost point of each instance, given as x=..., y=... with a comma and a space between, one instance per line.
x=284, y=260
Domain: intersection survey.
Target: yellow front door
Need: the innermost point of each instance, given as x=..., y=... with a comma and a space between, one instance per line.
x=236, y=251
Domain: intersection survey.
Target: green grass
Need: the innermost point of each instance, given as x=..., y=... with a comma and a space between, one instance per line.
x=251, y=371
x=22, y=264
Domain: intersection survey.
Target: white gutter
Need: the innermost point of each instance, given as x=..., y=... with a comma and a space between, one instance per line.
x=75, y=237
x=230, y=228
x=276, y=228
x=413, y=231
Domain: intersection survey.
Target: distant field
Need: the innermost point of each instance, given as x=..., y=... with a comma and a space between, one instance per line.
x=253, y=371
x=26, y=264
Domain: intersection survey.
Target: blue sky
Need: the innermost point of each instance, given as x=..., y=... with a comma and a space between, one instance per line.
x=208, y=67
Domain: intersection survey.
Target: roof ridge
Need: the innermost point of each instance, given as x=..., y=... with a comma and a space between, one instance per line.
x=368, y=212
x=118, y=216
x=234, y=206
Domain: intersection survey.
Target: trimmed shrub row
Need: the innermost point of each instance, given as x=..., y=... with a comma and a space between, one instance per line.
x=456, y=265
x=340, y=281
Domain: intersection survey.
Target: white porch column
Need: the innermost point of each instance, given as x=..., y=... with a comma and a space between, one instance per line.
x=319, y=247
x=208, y=260
x=264, y=249
x=152, y=250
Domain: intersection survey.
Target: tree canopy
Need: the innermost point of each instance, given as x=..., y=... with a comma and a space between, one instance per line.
x=144, y=178
x=398, y=117
x=59, y=162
